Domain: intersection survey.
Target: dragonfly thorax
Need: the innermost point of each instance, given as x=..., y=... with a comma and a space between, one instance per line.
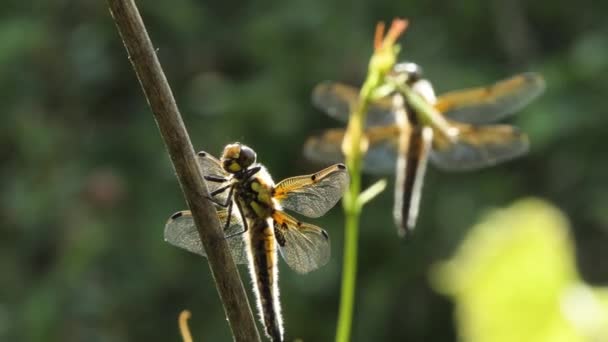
x=255, y=195
x=412, y=71
x=425, y=89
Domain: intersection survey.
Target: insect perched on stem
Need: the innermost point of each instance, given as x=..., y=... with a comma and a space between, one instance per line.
x=453, y=130
x=259, y=226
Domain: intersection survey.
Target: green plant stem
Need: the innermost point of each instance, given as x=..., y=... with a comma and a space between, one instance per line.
x=381, y=63
x=352, y=211
x=349, y=278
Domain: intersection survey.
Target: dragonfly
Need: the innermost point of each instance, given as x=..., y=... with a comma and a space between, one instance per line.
x=458, y=134
x=251, y=208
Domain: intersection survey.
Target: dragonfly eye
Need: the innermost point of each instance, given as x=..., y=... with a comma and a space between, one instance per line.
x=412, y=70
x=247, y=157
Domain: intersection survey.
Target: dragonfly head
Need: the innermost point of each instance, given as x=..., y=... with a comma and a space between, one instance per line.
x=412, y=71
x=237, y=157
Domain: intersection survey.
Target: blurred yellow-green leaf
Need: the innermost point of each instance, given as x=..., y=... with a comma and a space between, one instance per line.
x=514, y=278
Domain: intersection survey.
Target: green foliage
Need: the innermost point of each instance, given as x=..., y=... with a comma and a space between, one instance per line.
x=514, y=278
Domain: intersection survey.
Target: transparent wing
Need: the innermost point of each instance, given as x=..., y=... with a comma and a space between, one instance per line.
x=326, y=147
x=313, y=195
x=380, y=156
x=181, y=232
x=489, y=104
x=337, y=100
x=478, y=147
x=211, y=167
x=382, y=150
x=304, y=247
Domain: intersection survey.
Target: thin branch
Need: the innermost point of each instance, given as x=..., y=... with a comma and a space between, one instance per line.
x=169, y=121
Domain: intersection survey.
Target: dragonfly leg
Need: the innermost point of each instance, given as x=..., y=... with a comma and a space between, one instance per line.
x=215, y=179
x=252, y=171
x=245, y=225
x=217, y=202
x=219, y=191
x=229, y=216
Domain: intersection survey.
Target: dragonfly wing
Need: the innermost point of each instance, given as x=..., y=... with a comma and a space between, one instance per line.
x=180, y=231
x=335, y=99
x=489, y=104
x=338, y=100
x=380, y=156
x=313, y=195
x=479, y=146
x=210, y=165
x=383, y=148
x=305, y=247
x=325, y=148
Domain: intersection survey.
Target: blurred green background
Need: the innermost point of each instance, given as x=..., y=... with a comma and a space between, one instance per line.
x=87, y=185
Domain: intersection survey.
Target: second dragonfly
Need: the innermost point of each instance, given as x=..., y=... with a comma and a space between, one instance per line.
x=455, y=133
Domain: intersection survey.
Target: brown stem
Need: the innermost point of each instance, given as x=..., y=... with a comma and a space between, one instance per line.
x=169, y=121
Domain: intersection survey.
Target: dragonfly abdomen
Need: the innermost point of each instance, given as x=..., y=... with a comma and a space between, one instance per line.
x=264, y=273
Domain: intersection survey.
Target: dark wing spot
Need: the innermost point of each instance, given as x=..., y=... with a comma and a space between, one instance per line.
x=313, y=177
x=341, y=166
x=202, y=154
x=177, y=215
x=278, y=235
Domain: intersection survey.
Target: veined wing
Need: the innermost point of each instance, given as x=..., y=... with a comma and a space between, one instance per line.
x=313, y=195
x=478, y=147
x=380, y=156
x=338, y=100
x=211, y=167
x=489, y=104
x=326, y=147
x=304, y=247
x=181, y=232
